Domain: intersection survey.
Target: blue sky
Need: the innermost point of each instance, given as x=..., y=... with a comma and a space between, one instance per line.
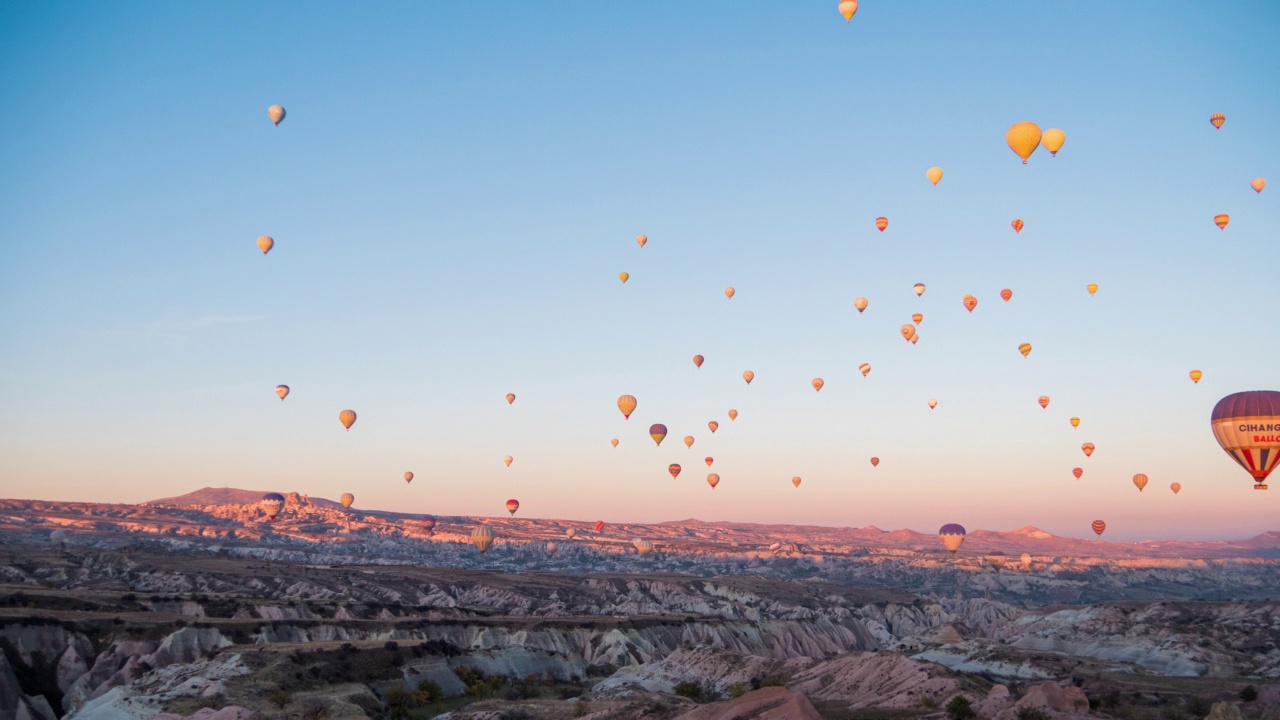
x=457, y=186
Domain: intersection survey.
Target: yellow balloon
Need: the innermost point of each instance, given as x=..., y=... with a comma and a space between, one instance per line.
x=1092, y=288
x=1075, y=422
x=1196, y=375
x=623, y=277
x=1025, y=349
x=1258, y=183
x=934, y=174
x=265, y=243
x=627, y=404
x=347, y=499
x=848, y=8
x=1023, y=139
x=347, y=418
x=1053, y=139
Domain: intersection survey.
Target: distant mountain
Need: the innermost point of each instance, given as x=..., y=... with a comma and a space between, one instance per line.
x=229, y=496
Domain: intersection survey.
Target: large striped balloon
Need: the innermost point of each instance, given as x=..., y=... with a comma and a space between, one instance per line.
x=482, y=538
x=1247, y=426
x=1140, y=480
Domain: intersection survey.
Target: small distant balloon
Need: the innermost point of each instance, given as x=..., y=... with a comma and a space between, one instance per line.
x=276, y=113
x=1175, y=487
x=952, y=536
x=708, y=460
x=907, y=331
x=643, y=547
x=599, y=525
x=817, y=384
x=642, y=239
x=713, y=480
x=1075, y=422
x=733, y=414
x=728, y=292
x=657, y=431
x=1221, y=220
x=1026, y=560
x=1025, y=349
x=482, y=538
x=614, y=442
x=1217, y=119
x=1099, y=527
x=865, y=369
x=408, y=477
x=882, y=223
x=513, y=505
x=623, y=277
x=511, y=398
x=1195, y=376
x=933, y=403
x=1258, y=183
x=1017, y=225
x=1078, y=472
x=272, y=503
x=1052, y=140
x=1044, y=401
x=688, y=441
x=347, y=418
x=347, y=499
x=265, y=243
x=1023, y=138
x=674, y=469
x=917, y=318
x=282, y=391
x=1092, y=288
x=570, y=533
x=1140, y=481
x=697, y=360
x=848, y=8
x=919, y=289
x=507, y=459
x=875, y=461
x=970, y=302
x=713, y=425
x=1006, y=294
x=861, y=304
x=796, y=481
x=551, y=548
x=934, y=174
x=627, y=404
x=748, y=376
x=1088, y=449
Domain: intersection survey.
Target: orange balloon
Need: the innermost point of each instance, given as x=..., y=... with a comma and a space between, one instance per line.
x=796, y=481
x=511, y=398
x=882, y=223
x=1140, y=480
x=1092, y=288
x=688, y=441
x=713, y=480
x=627, y=404
x=674, y=469
x=1025, y=349
x=265, y=244
x=970, y=302
x=1088, y=449
x=1175, y=487
x=614, y=442
x=713, y=425
x=933, y=403
x=1099, y=527
x=848, y=8
x=1217, y=119
x=642, y=239
x=1221, y=220
x=1258, y=183
x=875, y=461
x=697, y=360
x=508, y=460
x=733, y=414
x=1017, y=225
x=817, y=384
x=347, y=418
x=1044, y=401
x=728, y=292
x=861, y=304
x=1006, y=294
x=907, y=331
x=1077, y=472
x=917, y=318
x=1196, y=375
x=708, y=461
x=913, y=339
x=748, y=376
x=865, y=369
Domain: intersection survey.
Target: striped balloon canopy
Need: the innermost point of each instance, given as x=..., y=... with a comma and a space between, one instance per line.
x=1247, y=426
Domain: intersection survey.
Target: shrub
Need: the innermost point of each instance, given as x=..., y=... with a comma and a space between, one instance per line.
x=314, y=709
x=279, y=698
x=690, y=690
x=429, y=691
x=391, y=645
x=772, y=682
x=960, y=708
x=1249, y=693
x=1032, y=713
x=737, y=690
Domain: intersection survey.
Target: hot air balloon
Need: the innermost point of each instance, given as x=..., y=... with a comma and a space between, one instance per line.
x=997, y=559
x=697, y=360
x=642, y=239
x=1175, y=487
x=970, y=302
x=265, y=243
x=733, y=414
x=347, y=499
x=1099, y=527
x=1053, y=139
x=848, y=8
x=674, y=469
x=614, y=442
x=817, y=384
x=882, y=223
x=709, y=460
x=713, y=480
x=865, y=369
x=1075, y=422
x=728, y=292
x=748, y=376
x=1217, y=119
x=1221, y=220
x=1195, y=376
x=513, y=505
x=1023, y=139
x=917, y=318
x=934, y=174
x=907, y=331
x=657, y=431
x=428, y=523
x=1006, y=294
x=282, y=391
x=1025, y=349
x=1247, y=426
x=915, y=337
x=276, y=113
x=1088, y=449
x=570, y=533
x=511, y=398
x=347, y=418
x=599, y=525
x=408, y=477
x=624, y=277
x=1140, y=480
x=1017, y=225
x=1077, y=472
x=1026, y=560
x=952, y=536
x=688, y=441
x=551, y=548
x=795, y=481
x=713, y=425
x=875, y=461
x=1258, y=183
x=482, y=538
x=919, y=289
x=1092, y=288
x=1044, y=401
x=507, y=459
x=861, y=304
x=272, y=503
x=933, y=403
x=627, y=404
x=643, y=547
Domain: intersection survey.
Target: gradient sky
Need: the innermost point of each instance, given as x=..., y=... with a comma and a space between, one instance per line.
x=457, y=186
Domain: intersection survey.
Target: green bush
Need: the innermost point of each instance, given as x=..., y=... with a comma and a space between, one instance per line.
x=279, y=698
x=960, y=708
x=690, y=690
x=737, y=690
x=428, y=692
x=1032, y=713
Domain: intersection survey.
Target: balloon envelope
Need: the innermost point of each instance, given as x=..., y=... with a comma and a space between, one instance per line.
x=1025, y=349
x=1140, y=480
x=282, y=391
x=674, y=469
x=1195, y=376
x=1075, y=422
x=1088, y=449
x=265, y=243
x=1023, y=138
x=272, y=503
x=748, y=376
x=276, y=113
x=728, y=292
x=817, y=384
x=848, y=8
x=713, y=425
x=1217, y=119
x=934, y=174
x=796, y=481
x=1006, y=294
x=733, y=414
x=643, y=547
x=952, y=536
x=627, y=404
x=1052, y=140
x=1247, y=426
x=865, y=369
x=347, y=499
x=408, y=477
x=624, y=277
x=1221, y=220
x=688, y=441
x=861, y=304
x=511, y=398
x=599, y=525
x=875, y=461
x=713, y=480
x=970, y=302
x=482, y=538
x=513, y=505
x=614, y=442
x=1044, y=401
x=882, y=223
x=1099, y=527
x=657, y=431
x=507, y=459
x=1258, y=183
x=347, y=418
x=1017, y=225
x=918, y=288
x=1175, y=487
x=1077, y=472
x=642, y=239
x=1092, y=288
x=697, y=360
x=708, y=460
